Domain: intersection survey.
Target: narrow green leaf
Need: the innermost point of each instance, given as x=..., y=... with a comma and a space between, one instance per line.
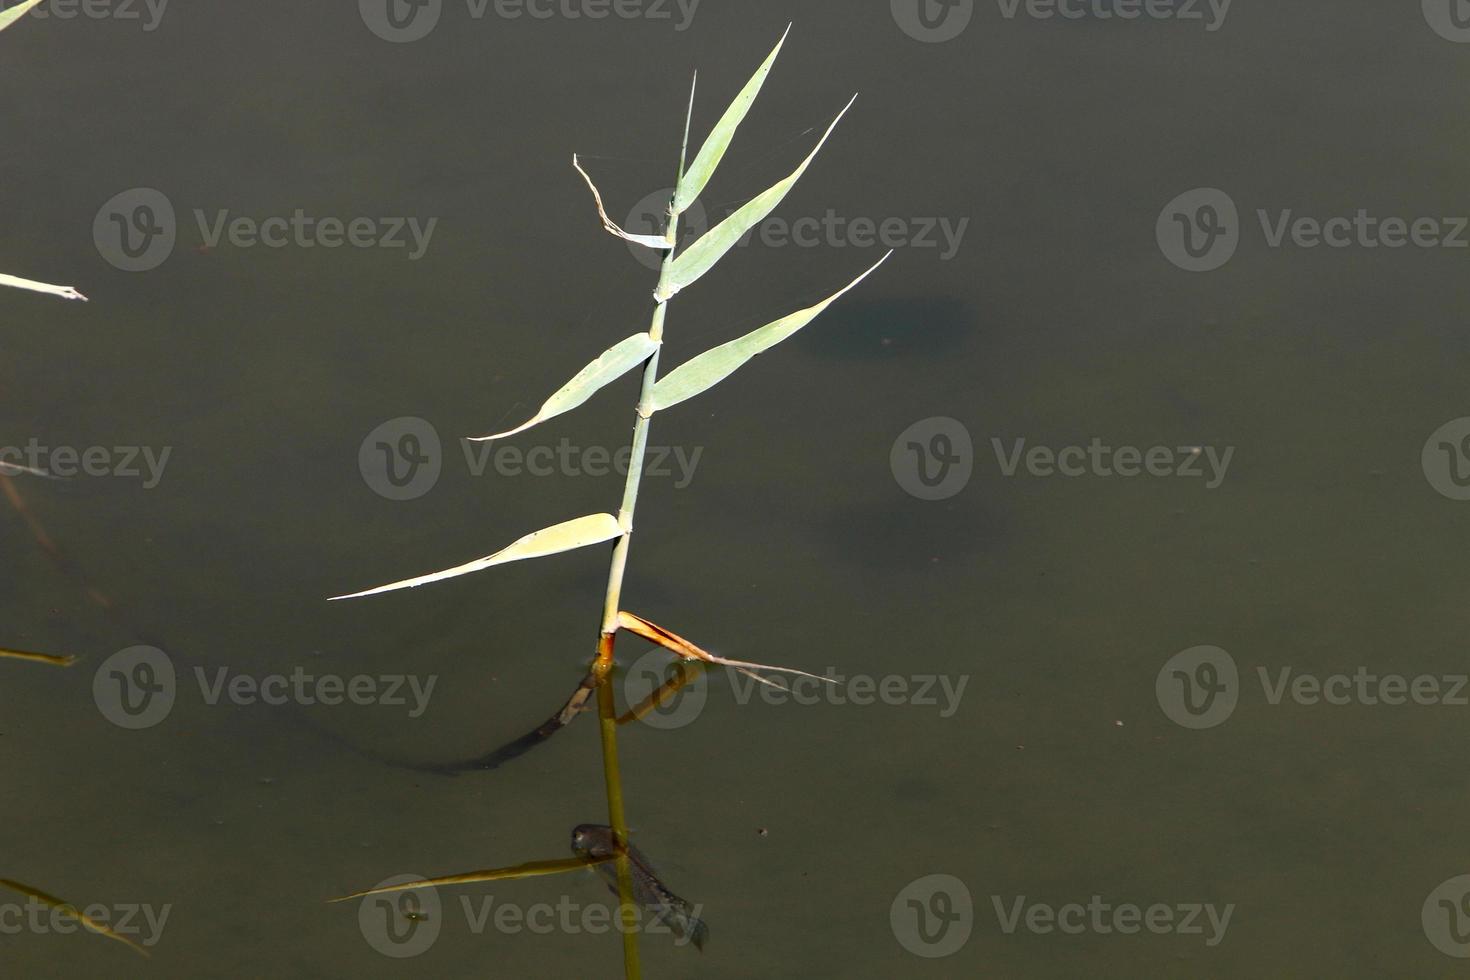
x=700, y=257
x=531, y=869
x=577, y=533
x=706, y=370
x=718, y=141
x=8, y=17
x=610, y=365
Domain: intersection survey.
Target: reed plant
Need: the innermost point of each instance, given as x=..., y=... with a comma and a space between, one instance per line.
x=679, y=270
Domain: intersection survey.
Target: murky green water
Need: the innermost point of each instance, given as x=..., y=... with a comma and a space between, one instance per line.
x=1048, y=148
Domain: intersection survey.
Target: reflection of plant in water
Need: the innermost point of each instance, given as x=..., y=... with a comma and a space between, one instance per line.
x=7, y=19
x=689, y=379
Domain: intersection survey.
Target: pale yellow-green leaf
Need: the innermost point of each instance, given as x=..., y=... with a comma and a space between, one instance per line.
x=700, y=257
x=66, y=908
x=576, y=533
x=706, y=370
x=718, y=141
x=530, y=869
x=8, y=17
x=610, y=365
x=65, y=292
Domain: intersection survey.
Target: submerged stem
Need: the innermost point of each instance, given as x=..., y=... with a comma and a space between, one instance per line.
x=607, y=720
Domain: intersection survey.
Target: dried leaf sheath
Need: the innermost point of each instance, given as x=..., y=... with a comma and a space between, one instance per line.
x=681, y=647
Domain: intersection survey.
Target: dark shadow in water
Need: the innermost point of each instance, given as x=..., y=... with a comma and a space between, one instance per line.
x=912, y=326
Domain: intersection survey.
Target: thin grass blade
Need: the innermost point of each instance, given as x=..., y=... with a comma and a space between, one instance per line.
x=704, y=371
x=8, y=17
x=708, y=158
x=610, y=365
x=566, y=536
x=67, y=908
x=700, y=257
x=39, y=658
x=65, y=292
x=530, y=869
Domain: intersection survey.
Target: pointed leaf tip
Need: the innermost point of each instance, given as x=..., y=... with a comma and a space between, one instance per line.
x=692, y=182
x=566, y=536
x=700, y=257
x=610, y=365
x=704, y=371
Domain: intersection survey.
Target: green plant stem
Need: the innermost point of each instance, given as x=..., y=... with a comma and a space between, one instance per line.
x=612, y=602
